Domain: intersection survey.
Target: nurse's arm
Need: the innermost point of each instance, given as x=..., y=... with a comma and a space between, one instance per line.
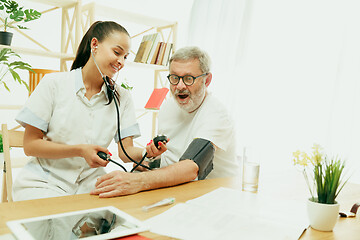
x=35, y=145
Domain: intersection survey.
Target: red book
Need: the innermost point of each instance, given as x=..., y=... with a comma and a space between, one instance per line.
x=134, y=237
x=160, y=53
x=156, y=99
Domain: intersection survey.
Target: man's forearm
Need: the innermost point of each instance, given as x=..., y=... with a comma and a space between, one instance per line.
x=118, y=183
x=181, y=172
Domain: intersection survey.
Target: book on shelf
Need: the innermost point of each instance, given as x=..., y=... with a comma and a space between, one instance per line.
x=140, y=52
x=156, y=98
x=152, y=51
x=163, y=54
x=160, y=54
x=148, y=43
x=156, y=40
x=153, y=59
x=167, y=54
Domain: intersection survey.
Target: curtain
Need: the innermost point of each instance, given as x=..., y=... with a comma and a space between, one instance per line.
x=288, y=72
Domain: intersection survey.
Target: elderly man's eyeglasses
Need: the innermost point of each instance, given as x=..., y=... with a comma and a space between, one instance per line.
x=188, y=80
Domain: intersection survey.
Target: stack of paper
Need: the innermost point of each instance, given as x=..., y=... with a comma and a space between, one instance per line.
x=232, y=214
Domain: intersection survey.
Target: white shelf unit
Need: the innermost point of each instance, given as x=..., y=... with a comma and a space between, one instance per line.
x=77, y=18
x=57, y=3
x=36, y=52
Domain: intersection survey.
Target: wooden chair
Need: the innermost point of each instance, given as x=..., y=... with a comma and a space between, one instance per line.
x=36, y=76
x=11, y=138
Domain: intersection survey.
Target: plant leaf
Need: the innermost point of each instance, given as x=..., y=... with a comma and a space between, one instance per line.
x=21, y=27
x=17, y=15
x=12, y=67
x=31, y=15
x=6, y=87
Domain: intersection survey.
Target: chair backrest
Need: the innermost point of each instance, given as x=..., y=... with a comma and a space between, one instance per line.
x=11, y=138
x=36, y=76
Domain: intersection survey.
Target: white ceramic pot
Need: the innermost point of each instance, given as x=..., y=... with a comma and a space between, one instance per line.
x=322, y=217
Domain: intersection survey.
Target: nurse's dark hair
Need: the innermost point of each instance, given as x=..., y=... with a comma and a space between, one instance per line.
x=99, y=30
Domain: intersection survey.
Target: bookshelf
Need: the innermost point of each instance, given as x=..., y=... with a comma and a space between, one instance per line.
x=76, y=18
x=36, y=52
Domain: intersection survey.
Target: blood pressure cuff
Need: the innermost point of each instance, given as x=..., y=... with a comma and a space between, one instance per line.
x=201, y=151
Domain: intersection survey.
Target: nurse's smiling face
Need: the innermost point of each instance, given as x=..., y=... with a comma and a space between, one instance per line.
x=112, y=52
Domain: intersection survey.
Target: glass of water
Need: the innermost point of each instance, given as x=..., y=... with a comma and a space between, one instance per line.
x=251, y=169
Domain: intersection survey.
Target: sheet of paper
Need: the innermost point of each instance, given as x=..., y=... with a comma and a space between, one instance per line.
x=226, y=213
x=8, y=236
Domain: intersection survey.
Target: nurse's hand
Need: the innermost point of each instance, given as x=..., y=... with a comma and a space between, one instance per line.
x=117, y=183
x=153, y=151
x=89, y=153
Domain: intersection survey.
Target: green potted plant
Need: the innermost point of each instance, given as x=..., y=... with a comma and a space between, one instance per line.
x=326, y=175
x=11, y=13
x=1, y=144
x=1, y=150
x=8, y=65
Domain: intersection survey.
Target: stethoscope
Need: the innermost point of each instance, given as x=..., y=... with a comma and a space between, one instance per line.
x=114, y=94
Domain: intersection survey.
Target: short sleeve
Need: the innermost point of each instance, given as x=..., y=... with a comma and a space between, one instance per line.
x=39, y=107
x=216, y=125
x=129, y=125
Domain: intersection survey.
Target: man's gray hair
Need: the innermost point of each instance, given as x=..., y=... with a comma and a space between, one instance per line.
x=193, y=52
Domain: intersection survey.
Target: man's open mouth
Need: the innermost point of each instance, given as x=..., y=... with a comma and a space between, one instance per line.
x=183, y=96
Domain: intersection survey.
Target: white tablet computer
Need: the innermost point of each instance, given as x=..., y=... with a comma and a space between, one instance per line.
x=97, y=223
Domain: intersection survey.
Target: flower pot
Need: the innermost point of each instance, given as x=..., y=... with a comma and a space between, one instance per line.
x=5, y=38
x=322, y=217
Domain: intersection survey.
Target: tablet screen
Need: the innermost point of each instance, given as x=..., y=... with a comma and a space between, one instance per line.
x=100, y=223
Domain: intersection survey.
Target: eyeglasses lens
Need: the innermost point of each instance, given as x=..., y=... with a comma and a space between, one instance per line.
x=188, y=80
x=174, y=79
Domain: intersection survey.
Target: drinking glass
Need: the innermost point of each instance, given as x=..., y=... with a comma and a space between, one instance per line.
x=251, y=170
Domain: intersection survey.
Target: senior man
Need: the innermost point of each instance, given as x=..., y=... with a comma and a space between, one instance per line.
x=201, y=133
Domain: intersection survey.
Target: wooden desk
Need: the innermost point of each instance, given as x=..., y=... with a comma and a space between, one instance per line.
x=345, y=228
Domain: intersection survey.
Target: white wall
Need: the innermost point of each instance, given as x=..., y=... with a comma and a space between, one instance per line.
x=298, y=79
x=288, y=72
